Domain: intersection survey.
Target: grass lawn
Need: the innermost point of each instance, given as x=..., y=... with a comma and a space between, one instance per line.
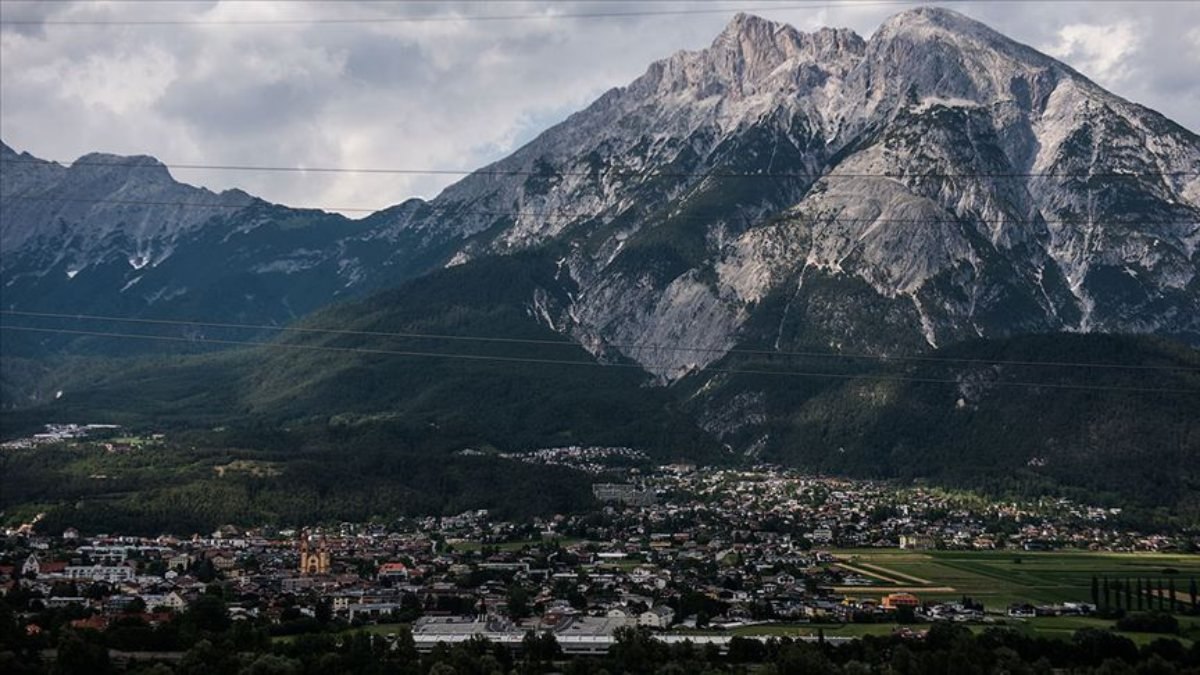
x=1065, y=626
x=383, y=628
x=374, y=629
x=513, y=546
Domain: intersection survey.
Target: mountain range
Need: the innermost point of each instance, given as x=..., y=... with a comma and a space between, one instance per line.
x=936, y=189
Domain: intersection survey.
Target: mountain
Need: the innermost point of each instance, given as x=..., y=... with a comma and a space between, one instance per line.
x=954, y=183
x=938, y=191
x=118, y=235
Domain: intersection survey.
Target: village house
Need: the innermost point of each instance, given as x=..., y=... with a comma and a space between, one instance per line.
x=393, y=572
x=172, y=601
x=659, y=616
x=893, y=601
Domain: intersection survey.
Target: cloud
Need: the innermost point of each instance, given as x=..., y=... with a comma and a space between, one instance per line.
x=123, y=82
x=1098, y=51
x=424, y=93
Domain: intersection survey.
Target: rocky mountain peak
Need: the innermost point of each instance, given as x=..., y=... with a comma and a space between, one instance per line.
x=929, y=20
x=141, y=169
x=101, y=199
x=21, y=173
x=935, y=25
x=744, y=24
x=930, y=51
x=753, y=51
x=753, y=35
x=751, y=69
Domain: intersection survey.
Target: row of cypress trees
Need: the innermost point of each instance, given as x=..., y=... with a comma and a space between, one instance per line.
x=1139, y=594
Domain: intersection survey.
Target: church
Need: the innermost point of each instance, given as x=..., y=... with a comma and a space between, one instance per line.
x=313, y=562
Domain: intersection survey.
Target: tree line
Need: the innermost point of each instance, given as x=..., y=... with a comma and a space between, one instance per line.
x=204, y=639
x=1124, y=594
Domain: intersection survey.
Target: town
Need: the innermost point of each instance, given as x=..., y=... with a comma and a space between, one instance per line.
x=690, y=554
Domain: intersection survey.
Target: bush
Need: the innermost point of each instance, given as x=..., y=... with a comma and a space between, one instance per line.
x=1149, y=622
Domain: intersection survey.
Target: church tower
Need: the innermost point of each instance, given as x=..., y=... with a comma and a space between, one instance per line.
x=313, y=563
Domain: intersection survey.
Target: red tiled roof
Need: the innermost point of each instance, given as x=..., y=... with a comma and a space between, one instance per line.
x=94, y=622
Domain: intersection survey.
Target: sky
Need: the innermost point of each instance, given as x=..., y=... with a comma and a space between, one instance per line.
x=441, y=85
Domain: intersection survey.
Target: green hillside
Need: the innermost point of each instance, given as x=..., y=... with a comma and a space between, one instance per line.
x=373, y=423
x=989, y=414
x=548, y=393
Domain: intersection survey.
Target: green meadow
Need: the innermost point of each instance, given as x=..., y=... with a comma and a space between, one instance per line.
x=1001, y=578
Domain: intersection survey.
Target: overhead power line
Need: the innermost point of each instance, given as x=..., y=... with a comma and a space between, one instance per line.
x=594, y=364
x=568, y=343
x=456, y=18
x=622, y=173
x=455, y=210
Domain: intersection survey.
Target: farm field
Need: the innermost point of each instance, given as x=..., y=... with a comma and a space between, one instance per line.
x=1001, y=578
x=1065, y=626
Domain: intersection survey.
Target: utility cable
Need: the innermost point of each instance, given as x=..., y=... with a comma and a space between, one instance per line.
x=568, y=343
x=595, y=364
x=688, y=215
x=135, y=163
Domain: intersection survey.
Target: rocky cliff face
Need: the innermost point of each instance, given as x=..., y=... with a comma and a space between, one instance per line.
x=935, y=183
x=951, y=182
